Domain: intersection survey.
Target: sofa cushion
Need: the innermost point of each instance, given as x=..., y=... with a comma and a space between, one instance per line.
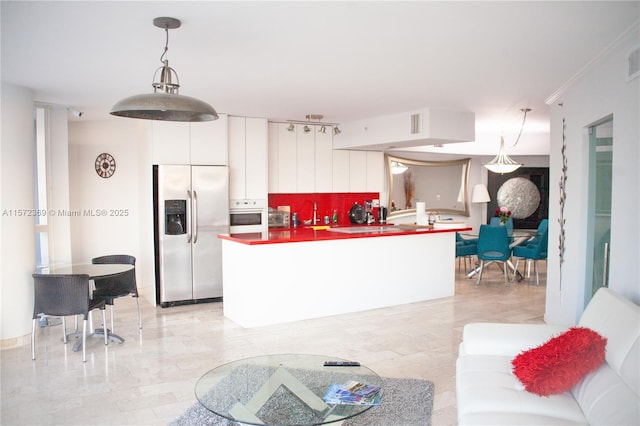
x=618, y=319
x=605, y=399
x=559, y=364
x=505, y=339
x=489, y=394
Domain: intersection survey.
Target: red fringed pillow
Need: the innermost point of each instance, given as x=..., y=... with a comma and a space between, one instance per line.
x=559, y=364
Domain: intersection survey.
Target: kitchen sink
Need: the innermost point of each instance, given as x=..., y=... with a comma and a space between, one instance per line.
x=365, y=229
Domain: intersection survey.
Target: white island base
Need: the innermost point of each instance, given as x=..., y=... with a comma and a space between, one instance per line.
x=268, y=284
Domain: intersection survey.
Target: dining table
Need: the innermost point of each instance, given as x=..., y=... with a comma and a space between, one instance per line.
x=94, y=271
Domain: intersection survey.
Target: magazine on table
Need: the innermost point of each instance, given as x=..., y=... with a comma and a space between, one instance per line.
x=353, y=393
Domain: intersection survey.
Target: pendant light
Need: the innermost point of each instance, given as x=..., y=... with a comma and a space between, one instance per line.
x=502, y=163
x=398, y=168
x=165, y=103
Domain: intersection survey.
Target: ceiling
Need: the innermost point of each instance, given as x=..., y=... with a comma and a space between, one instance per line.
x=345, y=60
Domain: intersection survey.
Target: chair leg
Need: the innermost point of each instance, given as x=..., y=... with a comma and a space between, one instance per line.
x=64, y=330
x=139, y=314
x=506, y=275
x=84, y=340
x=104, y=321
x=515, y=269
x=33, y=340
x=535, y=268
x=480, y=272
x=111, y=314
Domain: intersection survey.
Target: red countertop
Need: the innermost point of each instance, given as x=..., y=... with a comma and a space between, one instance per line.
x=305, y=234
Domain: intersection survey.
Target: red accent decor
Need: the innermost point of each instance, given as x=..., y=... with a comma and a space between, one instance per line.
x=559, y=364
x=326, y=202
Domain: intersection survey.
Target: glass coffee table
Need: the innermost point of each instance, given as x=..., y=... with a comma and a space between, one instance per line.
x=282, y=390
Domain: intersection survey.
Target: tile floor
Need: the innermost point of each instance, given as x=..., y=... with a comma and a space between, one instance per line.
x=149, y=379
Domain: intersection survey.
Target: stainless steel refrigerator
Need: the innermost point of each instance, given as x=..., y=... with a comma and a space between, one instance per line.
x=191, y=207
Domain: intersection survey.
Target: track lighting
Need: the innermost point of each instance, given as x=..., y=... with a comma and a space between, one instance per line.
x=310, y=121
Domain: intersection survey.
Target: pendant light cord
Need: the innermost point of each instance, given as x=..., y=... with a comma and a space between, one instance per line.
x=525, y=110
x=166, y=44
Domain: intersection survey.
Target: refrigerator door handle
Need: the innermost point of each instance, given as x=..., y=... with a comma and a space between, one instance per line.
x=188, y=217
x=195, y=217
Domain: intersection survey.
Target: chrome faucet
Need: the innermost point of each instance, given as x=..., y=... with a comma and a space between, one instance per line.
x=315, y=213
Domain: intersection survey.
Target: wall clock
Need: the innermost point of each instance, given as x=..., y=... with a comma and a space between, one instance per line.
x=105, y=165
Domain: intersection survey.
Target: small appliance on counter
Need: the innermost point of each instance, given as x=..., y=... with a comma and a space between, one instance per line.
x=382, y=215
x=357, y=214
x=278, y=219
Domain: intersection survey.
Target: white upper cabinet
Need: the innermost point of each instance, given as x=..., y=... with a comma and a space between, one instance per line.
x=171, y=144
x=202, y=143
x=209, y=142
x=302, y=161
x=256, y=158
x=375, y=171
x=305, y=158
x=340, y=169
x=247, y=158
x=323, y=164
x=287, y=164
x=273, y=164
x=357, y=171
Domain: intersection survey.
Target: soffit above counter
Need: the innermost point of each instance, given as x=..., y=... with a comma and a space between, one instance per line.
x=427, y=126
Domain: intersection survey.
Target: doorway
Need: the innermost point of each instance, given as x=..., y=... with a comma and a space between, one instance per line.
x=599, y=206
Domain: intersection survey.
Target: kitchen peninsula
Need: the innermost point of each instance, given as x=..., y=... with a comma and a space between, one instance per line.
x=296, y=274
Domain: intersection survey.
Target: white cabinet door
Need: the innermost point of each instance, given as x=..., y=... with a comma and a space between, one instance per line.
x=340, y=170
x=190, y=143
x=256, y=158
x=209, y=142
x=357, y=171
x=323, y=161
x=273, y=164
x=305, y=159
x=287, y=164
x=170, y=142
x=375, y=171
x=237, y=150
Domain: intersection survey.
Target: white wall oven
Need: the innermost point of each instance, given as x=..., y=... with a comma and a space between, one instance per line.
x=247, y=215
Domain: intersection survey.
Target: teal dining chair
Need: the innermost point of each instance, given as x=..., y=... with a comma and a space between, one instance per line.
x=493, y=246
x=465, y=249
x=534, y=250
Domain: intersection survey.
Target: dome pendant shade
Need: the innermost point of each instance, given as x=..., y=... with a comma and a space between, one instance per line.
x=165, y=103
x=502, y=163
x=165, y=107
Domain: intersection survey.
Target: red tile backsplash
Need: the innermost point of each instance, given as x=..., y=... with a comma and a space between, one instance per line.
x=327, y=202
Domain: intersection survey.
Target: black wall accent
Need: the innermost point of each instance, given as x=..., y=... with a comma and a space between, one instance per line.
x=539, y=176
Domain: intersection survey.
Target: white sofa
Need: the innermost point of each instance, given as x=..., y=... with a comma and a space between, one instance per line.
x=489, y=394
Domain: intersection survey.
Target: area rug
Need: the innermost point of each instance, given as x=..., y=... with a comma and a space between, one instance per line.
x=405, y=402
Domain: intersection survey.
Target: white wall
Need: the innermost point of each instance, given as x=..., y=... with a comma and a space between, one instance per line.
x=17, y=248
x=602, y=91
x=116, y=214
